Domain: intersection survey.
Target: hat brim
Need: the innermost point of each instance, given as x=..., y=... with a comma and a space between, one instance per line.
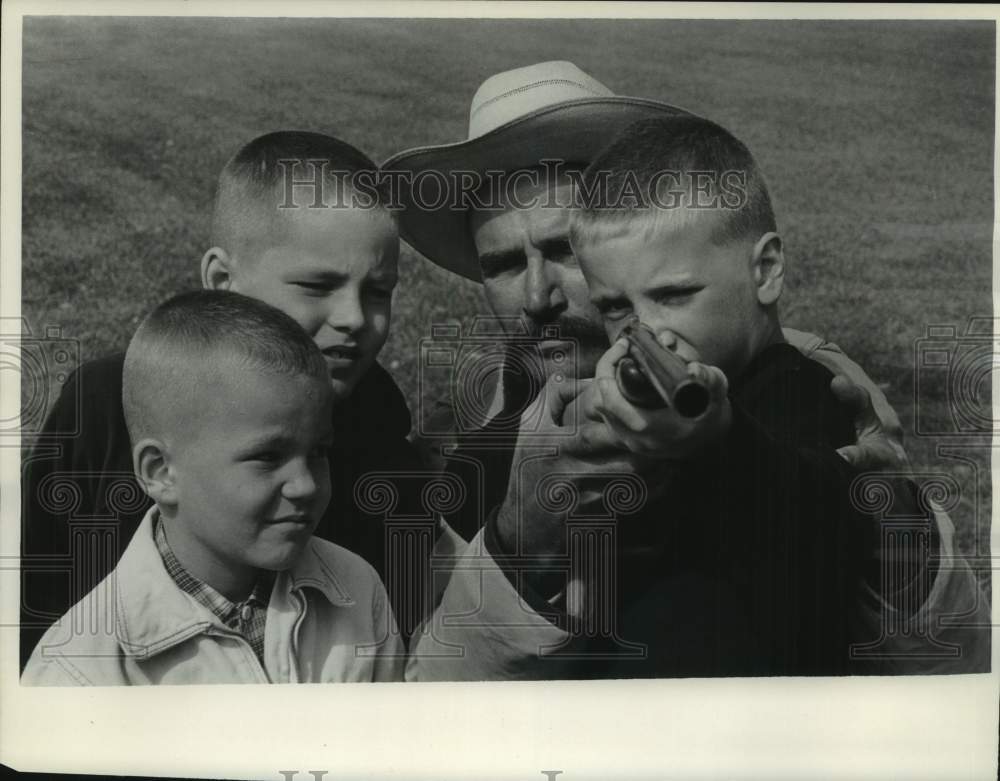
x=574, y=131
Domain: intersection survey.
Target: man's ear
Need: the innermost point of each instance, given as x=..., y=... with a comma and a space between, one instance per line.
x=216, y=270
x=151, y=464
x=768, y=264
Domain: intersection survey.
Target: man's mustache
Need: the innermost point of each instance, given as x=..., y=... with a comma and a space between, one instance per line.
x=567, y=327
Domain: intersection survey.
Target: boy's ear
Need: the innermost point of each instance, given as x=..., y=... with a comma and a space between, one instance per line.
x=768, y=264
x=216, y=269
x=151, y=465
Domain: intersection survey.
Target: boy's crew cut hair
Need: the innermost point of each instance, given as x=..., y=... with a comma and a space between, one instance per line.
x=656, y=166
x=193, y=335
x=291, y=169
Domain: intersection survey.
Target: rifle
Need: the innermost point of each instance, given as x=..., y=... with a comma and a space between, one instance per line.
x=652, y=376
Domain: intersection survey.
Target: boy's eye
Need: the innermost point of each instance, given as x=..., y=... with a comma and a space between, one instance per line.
x=264, y=457
x=675, y=296
x=313, y=287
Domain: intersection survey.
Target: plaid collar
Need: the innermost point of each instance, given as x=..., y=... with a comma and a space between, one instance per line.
x=235, y=615
x=153, y=613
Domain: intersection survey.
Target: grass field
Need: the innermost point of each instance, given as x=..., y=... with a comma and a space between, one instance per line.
x=877, y=139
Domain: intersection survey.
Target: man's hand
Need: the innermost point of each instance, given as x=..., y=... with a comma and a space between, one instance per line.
x=562, y=433
x=660, y=433
x=876, y=449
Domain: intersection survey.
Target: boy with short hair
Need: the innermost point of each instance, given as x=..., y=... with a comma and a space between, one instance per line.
x=780, y=564
x=325, y=253
x=228, y=404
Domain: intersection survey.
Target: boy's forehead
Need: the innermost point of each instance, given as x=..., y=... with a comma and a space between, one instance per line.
x=653, y=226
x=329, y=237
x=258, y=419
x=235, y=389
x=670, y=248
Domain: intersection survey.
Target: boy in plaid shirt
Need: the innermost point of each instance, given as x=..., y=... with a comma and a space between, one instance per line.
x=228, y=403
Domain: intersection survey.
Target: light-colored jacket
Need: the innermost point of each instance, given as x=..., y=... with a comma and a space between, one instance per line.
x=327, y=620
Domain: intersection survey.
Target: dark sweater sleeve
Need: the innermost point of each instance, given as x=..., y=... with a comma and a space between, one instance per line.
x=80, y=502
x=791, y=399
x=793, y=507
x=789, y=533
x=379, y=506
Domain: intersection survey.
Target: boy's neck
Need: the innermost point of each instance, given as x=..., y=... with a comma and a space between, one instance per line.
x=772, y=334
x=234, y=581
x=769, y=334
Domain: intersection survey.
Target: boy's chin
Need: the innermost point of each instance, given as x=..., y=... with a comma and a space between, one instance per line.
x=344, y=381
x=281, y=556
x=341, y=388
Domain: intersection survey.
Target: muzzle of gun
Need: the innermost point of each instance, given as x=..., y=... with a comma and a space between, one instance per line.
x=652, y=376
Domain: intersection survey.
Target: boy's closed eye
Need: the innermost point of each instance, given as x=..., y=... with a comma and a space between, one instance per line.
x=264, y=457
x=674, y=294
x=316, y=288
x=616, y=308
x=317, y=282
x=378, y=290
x=268, y=450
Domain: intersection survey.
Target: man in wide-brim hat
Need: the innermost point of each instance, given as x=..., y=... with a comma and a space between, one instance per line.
x=529, y=130
x=495, y=208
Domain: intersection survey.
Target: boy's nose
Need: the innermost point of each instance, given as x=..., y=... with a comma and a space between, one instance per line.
x=347, y=313
x=301, y=485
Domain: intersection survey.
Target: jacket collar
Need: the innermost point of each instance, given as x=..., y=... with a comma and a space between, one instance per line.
x=154, y=614
x=311, y=570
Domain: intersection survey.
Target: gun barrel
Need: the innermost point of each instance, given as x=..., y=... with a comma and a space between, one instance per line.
x=662, y=369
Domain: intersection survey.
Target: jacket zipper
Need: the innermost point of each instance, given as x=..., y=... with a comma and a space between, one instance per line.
x=294, y=662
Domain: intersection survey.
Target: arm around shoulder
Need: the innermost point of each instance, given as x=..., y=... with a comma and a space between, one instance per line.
x=828, y=354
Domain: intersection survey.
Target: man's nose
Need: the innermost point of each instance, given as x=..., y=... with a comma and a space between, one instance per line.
x=543, y=296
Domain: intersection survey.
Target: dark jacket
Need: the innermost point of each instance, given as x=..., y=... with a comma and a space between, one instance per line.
x=750, y=562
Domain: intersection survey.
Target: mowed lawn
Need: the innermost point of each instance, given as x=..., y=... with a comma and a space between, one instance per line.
x=877, y=140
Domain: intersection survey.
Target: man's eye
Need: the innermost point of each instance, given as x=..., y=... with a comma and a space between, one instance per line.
x=560, y=252
x=495, y=267
x=614, y=310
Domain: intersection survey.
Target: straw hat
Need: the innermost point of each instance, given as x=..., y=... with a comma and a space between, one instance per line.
x=552, y=110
